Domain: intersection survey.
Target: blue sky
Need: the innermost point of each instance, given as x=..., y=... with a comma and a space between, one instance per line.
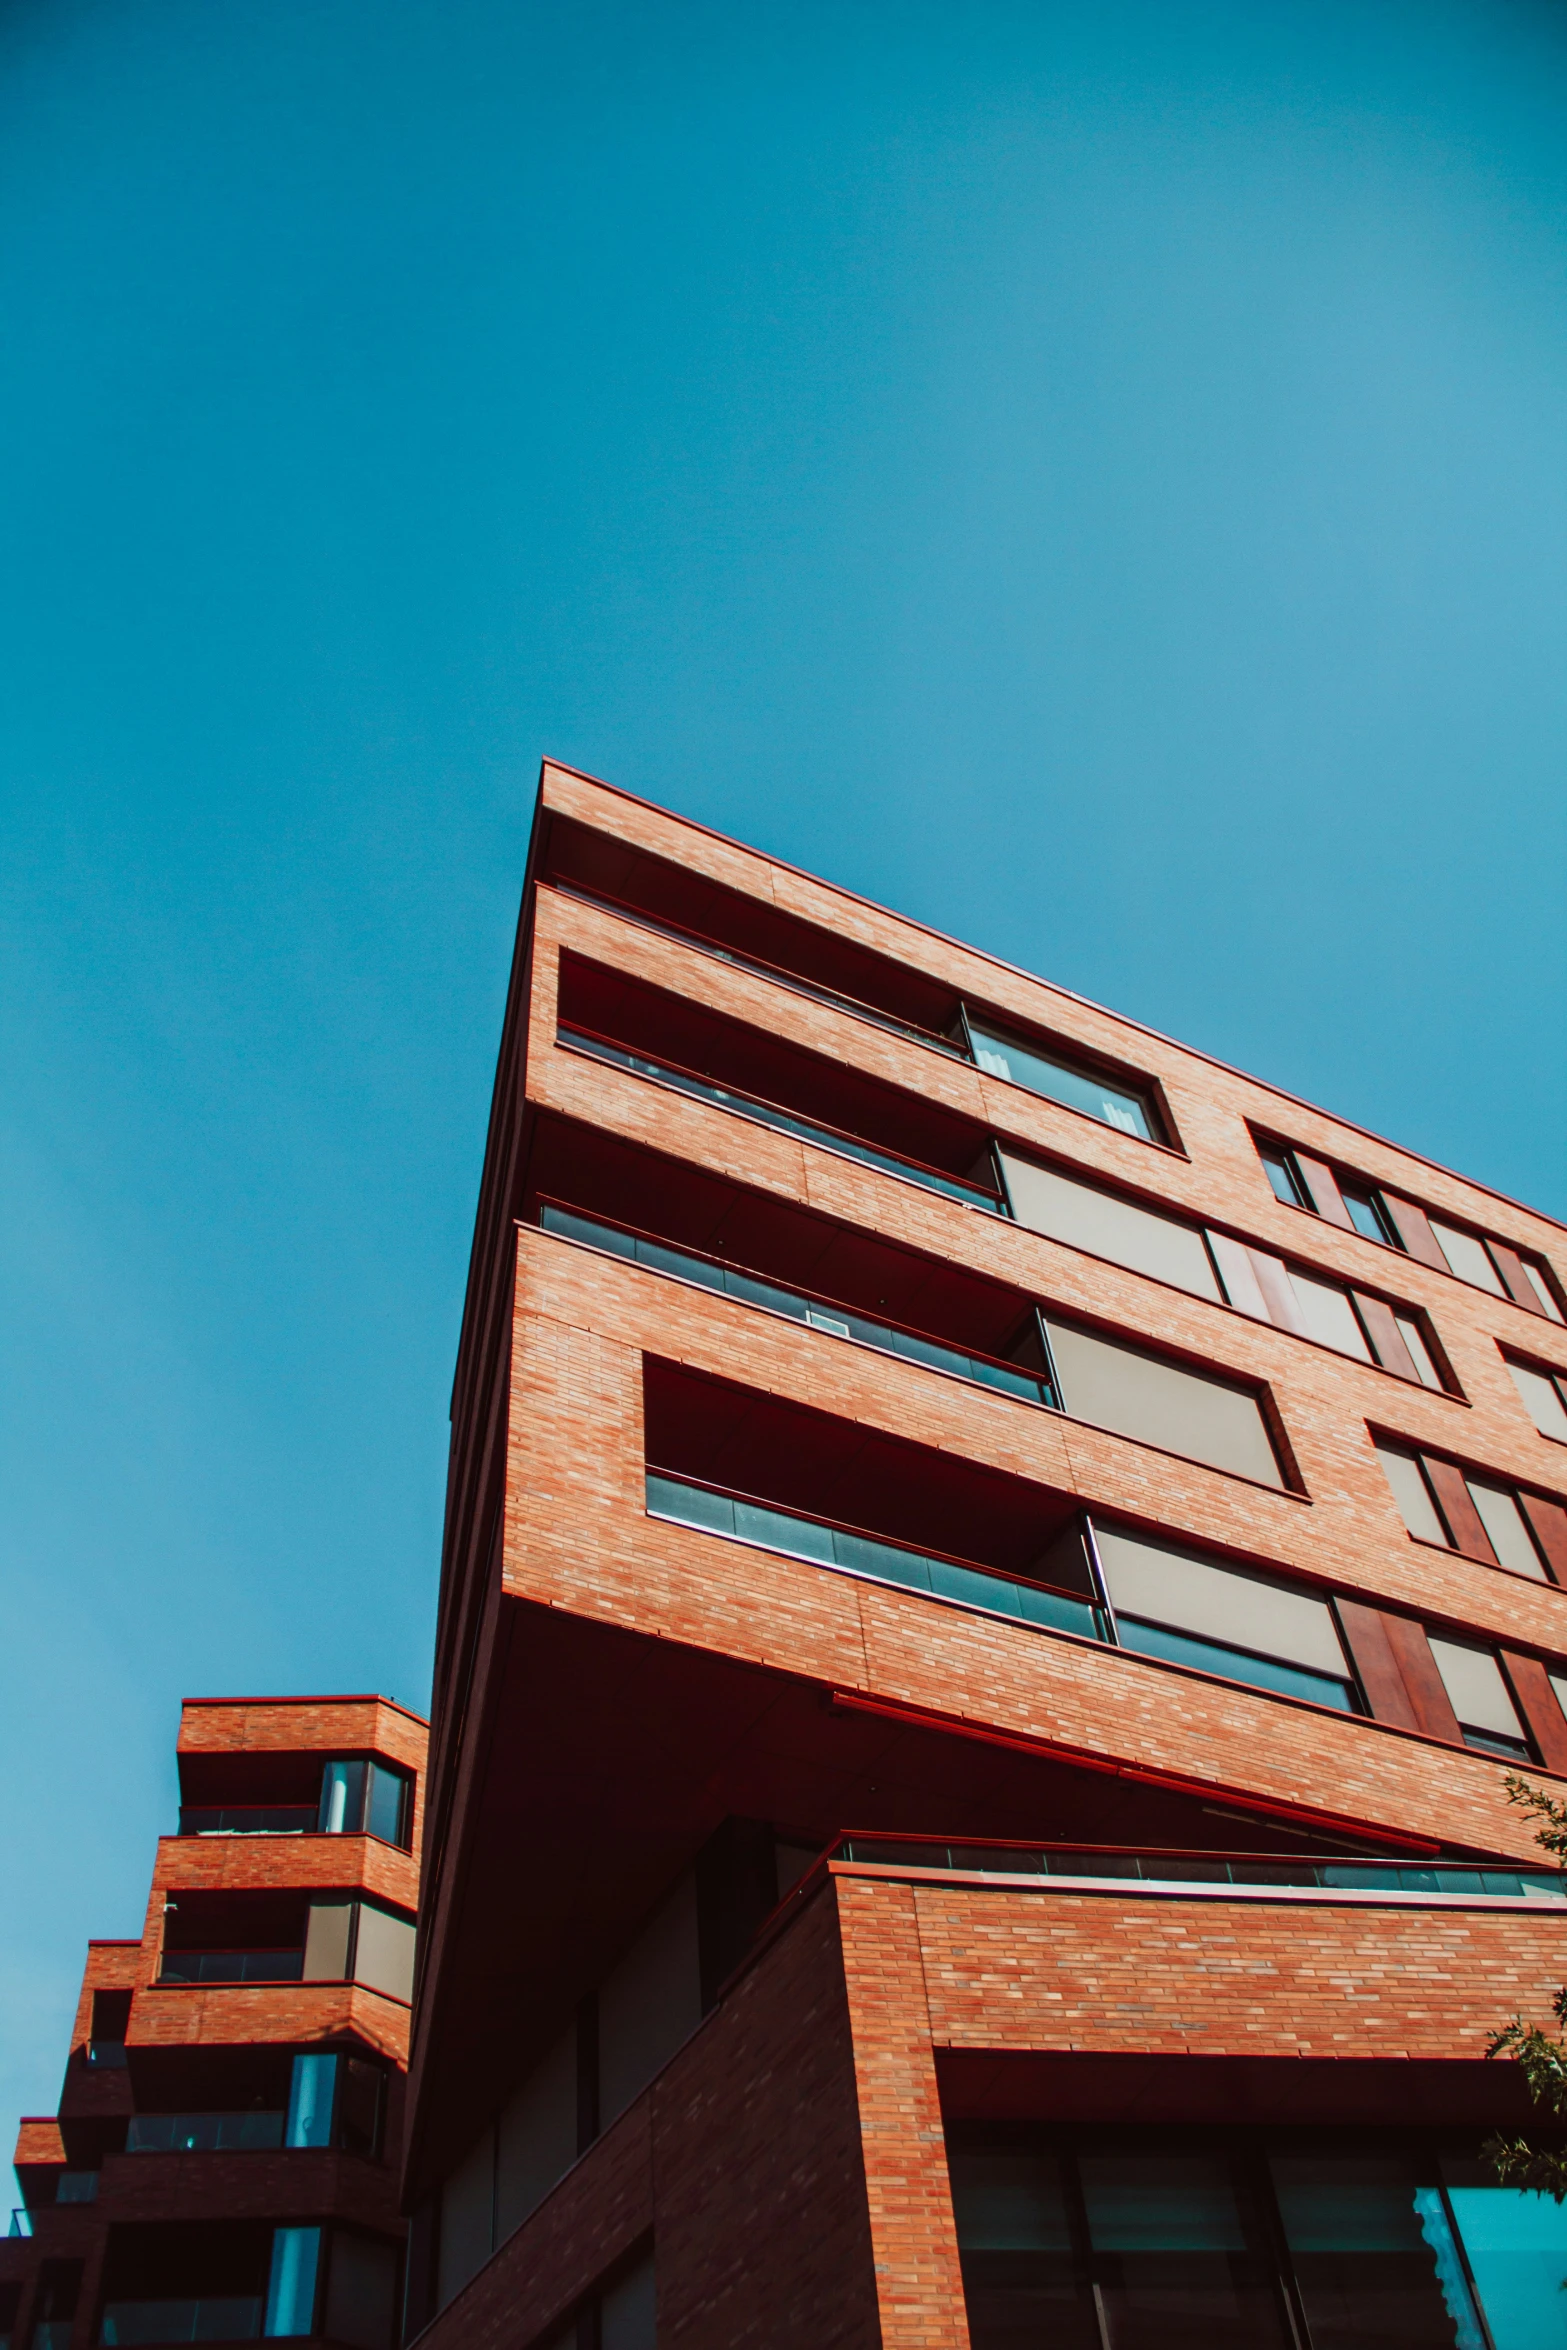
x=1093, y=477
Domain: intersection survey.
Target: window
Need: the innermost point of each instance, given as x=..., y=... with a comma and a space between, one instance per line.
x=1351, y=1321
x=1482, y=1261
x=1172, y=1603
x=1103, y=1224
x=1481, y=1699
x=1202, y=2240
x=1544, y=1396
x=1282, y=1173
x=1369, y=1217
x=1463, y=1510
x=1127, y=1108
x=360, y=1796
x=335, y=2100
x=1133, y=1393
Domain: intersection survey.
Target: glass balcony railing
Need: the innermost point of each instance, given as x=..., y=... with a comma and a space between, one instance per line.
x=266, y=1819
x=233, y=2317
x=831, y=1138
x=204, y=2133
x=1207, y=1868
x=232, y=1966
x=798, y=1304
x=714, y=1511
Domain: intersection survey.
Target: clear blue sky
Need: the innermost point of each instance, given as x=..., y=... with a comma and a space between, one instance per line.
x=1091, y=476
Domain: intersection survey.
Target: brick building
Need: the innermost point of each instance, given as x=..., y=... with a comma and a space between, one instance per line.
x=995, y=1572
x=223, y=2163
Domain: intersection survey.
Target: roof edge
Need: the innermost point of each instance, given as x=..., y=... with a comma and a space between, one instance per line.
x=1071, y=994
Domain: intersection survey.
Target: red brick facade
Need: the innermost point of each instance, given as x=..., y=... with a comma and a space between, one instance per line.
x=619, y=1697
x=810, y=1804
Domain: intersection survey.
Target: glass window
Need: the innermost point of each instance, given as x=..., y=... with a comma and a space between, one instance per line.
x=291, y=2285
x=387, y=1806
x=1373, y=2254
x=1105, y=1225
x=1480, y=1698
x=1024, y=2277
x=1503, y=1521
x=1327, y=1314
x=1517, y=2247
x=1179, y=2255
x=1467, y=1257
x=342, y=1799
x=1410, y=1491
x=1419, y=1352
x=1075, y=1089
x=1367, y=1215
x=1234, y=1664
x=1542, y=1400
x=1199, y=2241
x=1280, y=1170
x=1542, y=1289
x=1140, y=1395
x=1178, y=1587
x=311, y=2095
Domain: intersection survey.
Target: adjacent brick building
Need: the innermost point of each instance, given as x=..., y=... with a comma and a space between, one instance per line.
x=995, y=1572
x=223, y=2163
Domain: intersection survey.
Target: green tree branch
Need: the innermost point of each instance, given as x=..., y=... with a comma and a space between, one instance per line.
x=1539, y=2055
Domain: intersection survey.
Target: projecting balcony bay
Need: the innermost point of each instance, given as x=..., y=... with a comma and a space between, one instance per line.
x=997, y=1544
x=1053, y=1605
x=818, y=1313
x=971, y=1192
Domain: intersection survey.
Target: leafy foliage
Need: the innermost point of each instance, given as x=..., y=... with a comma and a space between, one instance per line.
x=1539, y=2055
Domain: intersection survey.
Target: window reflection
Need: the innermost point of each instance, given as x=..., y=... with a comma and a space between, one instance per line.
x=1234, y=2240
x=1374, y=2254
x=1181, y=2258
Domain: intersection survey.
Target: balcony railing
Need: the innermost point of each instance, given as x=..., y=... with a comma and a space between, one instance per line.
x=1093, y=1863
x=831, y=1138
x=715, y=1511
x=232, y=2317
x=232, y=1966
x=204, y=2133
x=800, y=1305
x=266, y=1819
x=21, y=2221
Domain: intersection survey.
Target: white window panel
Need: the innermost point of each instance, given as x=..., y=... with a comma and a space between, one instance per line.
x=1542, y=1400
x=1105, y=1225
x=1538, y=1283
x=1328, y=1315
x=1410, y=1491
x=1467, y=1257
x=1473, y=1680
x=1503, y=1521
x=1192, y=1594
x=1140, y=1395
x=1419, y=1353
